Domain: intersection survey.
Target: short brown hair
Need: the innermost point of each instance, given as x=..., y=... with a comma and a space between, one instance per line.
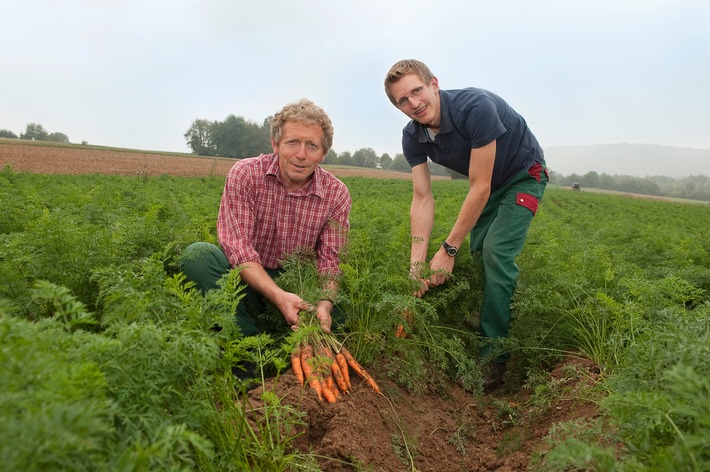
x=303, y=111
x=402, y=68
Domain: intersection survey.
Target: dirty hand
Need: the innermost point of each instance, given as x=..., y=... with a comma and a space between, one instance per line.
x=290, y=305
x=415, y=274
x=323, y=311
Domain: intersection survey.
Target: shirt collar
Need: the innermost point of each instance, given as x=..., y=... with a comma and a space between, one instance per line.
x=446, y=124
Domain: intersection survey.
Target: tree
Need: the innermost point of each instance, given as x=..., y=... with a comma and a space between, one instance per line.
x=199, y=138
x=345, y=159
x=400, y=163
x=4, y=133
x=438, y=169
x=385, y=161
x=365, y=157
x=590, y=179
x=58, y=138
x=331, y=157
x=34, y=132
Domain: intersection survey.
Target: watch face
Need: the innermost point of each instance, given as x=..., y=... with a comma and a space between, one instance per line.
x=450, y=250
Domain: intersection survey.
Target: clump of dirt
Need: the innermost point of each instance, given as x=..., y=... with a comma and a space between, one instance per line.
x=444, y=431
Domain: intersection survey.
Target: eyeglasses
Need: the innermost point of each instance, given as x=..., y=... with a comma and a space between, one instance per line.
x=402, y=102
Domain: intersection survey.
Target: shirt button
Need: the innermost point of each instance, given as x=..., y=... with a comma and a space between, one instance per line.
x=522, y=200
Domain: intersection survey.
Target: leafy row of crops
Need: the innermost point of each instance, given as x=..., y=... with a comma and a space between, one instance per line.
x=111, y=363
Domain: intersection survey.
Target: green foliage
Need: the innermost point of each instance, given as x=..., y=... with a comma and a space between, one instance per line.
x=55, y=407
x=113, y=362
x=579, y=445
x=233, y=137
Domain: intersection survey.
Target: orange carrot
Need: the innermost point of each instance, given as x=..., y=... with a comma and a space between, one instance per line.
x=338, y=376
x=296, y=365
x=330, y=383
x=399, y=332
x=328, y=393
x=311, y=377
x=343, y=364
x=340, y=383
x=409, y=319
x=360, y=370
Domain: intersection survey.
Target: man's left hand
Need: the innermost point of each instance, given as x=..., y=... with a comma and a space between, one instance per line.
x=442, y=265
x=323, y=310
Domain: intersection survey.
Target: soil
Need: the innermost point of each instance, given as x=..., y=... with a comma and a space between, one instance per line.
x=58, y=159
x=448, y=430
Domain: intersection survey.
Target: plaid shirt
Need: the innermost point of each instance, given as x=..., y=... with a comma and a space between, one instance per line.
x=260, y=220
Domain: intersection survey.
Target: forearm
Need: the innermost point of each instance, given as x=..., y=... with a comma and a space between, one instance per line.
x=254, y=275
x=471, y=210
x=421, y=217
x=480, y=172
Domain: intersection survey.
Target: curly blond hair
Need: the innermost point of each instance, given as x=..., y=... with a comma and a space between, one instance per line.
x=306, y=112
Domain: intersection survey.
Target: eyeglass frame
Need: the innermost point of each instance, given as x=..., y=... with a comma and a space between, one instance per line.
x=416, y=92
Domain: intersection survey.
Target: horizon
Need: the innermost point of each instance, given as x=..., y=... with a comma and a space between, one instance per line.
x=554, y=166
x=137, y=74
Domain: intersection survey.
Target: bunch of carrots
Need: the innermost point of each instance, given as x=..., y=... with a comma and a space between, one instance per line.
x=324, y=364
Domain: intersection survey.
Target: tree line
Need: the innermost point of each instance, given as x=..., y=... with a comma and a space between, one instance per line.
x=237, y=137
x=694, y=187
x=36, y=132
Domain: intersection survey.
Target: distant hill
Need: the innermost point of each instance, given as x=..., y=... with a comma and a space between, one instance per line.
x=638, y=160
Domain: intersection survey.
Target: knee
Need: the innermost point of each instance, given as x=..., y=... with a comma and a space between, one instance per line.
x=199, y=259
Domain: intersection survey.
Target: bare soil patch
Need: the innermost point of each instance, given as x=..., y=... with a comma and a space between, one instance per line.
x=57, y=159
x=449, y=430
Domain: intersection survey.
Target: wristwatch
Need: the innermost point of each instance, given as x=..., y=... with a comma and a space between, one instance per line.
x=450, y=250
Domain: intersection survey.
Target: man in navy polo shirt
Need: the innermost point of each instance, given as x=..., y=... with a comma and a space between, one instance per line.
x=476, y=133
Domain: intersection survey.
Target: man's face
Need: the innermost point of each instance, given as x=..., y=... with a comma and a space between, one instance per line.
x=300, y=151
x=417, y=100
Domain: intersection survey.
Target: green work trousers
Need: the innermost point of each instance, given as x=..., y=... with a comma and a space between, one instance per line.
x=496, y=240
x=204, y=264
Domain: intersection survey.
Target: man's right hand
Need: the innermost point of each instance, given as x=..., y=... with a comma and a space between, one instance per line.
x=289, y=305
x=415, y=274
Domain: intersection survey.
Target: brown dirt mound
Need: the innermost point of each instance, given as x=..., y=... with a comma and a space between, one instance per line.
x=446, y=431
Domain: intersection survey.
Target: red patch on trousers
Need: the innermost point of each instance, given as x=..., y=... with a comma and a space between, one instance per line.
x=528, y=201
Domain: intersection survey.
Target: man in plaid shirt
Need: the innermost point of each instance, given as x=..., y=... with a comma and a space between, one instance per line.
x=274, y=205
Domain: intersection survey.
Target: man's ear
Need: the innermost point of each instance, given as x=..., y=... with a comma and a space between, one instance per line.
x=435, y=84
x=274, y=146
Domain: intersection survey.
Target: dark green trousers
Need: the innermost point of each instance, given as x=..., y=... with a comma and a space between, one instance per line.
x=496, y=240
x=204, y=264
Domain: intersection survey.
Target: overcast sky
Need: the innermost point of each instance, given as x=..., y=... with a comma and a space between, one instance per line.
x=137, y=73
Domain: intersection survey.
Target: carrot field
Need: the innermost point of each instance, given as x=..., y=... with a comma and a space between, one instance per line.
x=110, y=361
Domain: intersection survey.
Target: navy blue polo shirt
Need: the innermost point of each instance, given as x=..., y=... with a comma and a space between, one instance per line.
x=470, y=119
